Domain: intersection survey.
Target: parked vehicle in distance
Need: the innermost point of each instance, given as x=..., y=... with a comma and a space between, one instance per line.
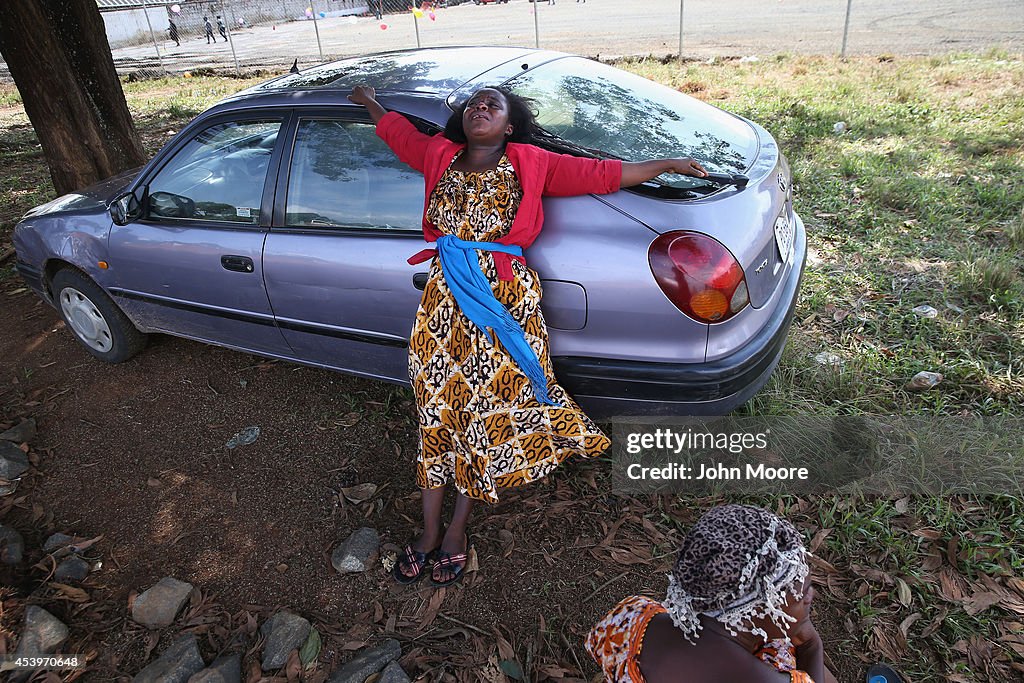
x=278, y=223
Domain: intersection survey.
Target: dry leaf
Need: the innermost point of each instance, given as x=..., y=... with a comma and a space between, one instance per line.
x=818, y=539
x=903, y=593
x=360, y=493
x=979, y=602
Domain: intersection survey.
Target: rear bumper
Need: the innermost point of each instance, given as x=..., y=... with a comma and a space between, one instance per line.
x=609, y=388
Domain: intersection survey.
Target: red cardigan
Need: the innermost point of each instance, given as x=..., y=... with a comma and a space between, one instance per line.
x=539, y=171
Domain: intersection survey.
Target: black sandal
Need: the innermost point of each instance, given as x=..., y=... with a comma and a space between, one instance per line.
x=412, y=559
x=447, y=562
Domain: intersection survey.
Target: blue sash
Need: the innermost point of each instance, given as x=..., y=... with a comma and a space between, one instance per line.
x=474, y=296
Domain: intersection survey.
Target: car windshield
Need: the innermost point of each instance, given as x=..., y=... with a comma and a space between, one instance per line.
x=608, y=112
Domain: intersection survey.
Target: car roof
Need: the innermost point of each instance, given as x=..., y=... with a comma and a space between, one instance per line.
x=436, y=71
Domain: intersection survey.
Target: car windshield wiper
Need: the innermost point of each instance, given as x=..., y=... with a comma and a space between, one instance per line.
x=737, y=179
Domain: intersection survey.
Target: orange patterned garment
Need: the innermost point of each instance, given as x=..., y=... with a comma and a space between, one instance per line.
x=615, y=643
x=480, y=425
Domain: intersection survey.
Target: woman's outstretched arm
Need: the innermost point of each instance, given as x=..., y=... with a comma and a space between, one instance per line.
x=636, y=172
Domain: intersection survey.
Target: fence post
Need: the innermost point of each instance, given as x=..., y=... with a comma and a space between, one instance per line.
x=231, y=42
x=846, y=28
x=145, y=10
x=536, y=30
x=680, y=32
x=316, y=28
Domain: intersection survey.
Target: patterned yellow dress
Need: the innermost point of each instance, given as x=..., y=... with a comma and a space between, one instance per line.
x=480, y=425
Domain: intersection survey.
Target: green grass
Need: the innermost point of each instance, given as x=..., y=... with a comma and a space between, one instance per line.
x=919, y=201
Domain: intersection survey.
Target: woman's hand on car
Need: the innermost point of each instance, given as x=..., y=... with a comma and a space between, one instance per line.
x=686, y=166
x=362, y=94
x=367, y=96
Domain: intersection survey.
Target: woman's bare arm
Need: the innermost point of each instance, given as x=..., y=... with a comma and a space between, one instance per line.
x=636, y=172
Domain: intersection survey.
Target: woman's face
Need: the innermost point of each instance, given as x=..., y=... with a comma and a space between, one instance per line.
x=486, y=116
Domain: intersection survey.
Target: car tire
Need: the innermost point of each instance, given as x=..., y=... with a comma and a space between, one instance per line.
x=94, y=319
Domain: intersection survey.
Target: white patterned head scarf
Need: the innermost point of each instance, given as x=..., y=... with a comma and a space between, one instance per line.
x=738, y=563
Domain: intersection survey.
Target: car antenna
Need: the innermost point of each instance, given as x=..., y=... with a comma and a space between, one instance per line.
x=295, y=66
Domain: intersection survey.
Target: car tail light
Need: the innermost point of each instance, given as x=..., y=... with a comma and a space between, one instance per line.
x=699, y=275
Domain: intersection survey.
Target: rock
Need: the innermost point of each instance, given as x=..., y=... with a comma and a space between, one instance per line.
x=56, y=542
x=283, y=632
x=923, y=381
x=12, y=545
x=227, y=669
x=926, y=311
x=21, y=432
x=43, y=633
x=158, y=606
x=828, y=358
x=357, y=553
x=13, y=461
x=393, y=673
x=368, y=662
x=175, y=665
x=244, y=437
x=72, y=569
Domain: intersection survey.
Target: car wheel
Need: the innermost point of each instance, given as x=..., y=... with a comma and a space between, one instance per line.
x=95, y=320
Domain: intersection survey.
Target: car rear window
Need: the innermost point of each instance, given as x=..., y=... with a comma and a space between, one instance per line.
x=440, y=70
x=613, y=113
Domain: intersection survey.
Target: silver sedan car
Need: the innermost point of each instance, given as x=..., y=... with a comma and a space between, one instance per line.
x=279, y=224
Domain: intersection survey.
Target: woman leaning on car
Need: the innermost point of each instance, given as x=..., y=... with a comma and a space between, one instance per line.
x=491, y=414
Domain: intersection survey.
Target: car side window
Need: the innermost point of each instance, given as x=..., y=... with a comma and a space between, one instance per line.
x=217, y=176
x=344, y=176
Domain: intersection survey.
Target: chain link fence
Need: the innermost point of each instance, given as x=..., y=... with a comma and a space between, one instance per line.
x=150, y=37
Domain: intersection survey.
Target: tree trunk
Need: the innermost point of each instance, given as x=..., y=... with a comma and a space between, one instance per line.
x=59, y=57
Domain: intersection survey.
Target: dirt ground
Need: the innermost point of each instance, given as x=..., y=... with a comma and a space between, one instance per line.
x=136, y=453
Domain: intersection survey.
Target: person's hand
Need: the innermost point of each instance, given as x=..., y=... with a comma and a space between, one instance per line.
x=803, y=630
x=362, y=94
x=687, y=166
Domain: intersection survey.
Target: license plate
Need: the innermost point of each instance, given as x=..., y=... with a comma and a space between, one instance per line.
x=784, y=229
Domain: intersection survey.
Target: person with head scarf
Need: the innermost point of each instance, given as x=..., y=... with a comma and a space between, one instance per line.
x=738, y=608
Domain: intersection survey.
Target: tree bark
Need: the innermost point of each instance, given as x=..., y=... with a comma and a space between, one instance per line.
x=59, y=57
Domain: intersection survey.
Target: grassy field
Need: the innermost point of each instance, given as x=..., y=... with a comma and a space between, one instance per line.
x=916, y=199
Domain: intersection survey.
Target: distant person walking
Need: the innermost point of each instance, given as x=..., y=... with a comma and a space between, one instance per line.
x=223, y=29
x=173, y=30
x=209, y=30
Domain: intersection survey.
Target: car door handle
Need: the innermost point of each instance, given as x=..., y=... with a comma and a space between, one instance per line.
x=419, y=281
x=241, y=264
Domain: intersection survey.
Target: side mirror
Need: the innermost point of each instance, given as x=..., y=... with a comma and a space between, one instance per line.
x=125, y=208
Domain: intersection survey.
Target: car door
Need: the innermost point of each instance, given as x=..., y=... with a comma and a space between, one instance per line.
x=347, y=216
x=192, y=263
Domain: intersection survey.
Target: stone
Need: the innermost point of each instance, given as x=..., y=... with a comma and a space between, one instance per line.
x=175, y=665
x=43, y=633
x=12, y=545
x=13, y=461
x=158, y=606
x=367, y=662
x=226, y=669
x=283, y=633
x=56, y=542
x=923, y=381
x=393, y=673
x=21, y=432
x=72, y=569
x=357, y=553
